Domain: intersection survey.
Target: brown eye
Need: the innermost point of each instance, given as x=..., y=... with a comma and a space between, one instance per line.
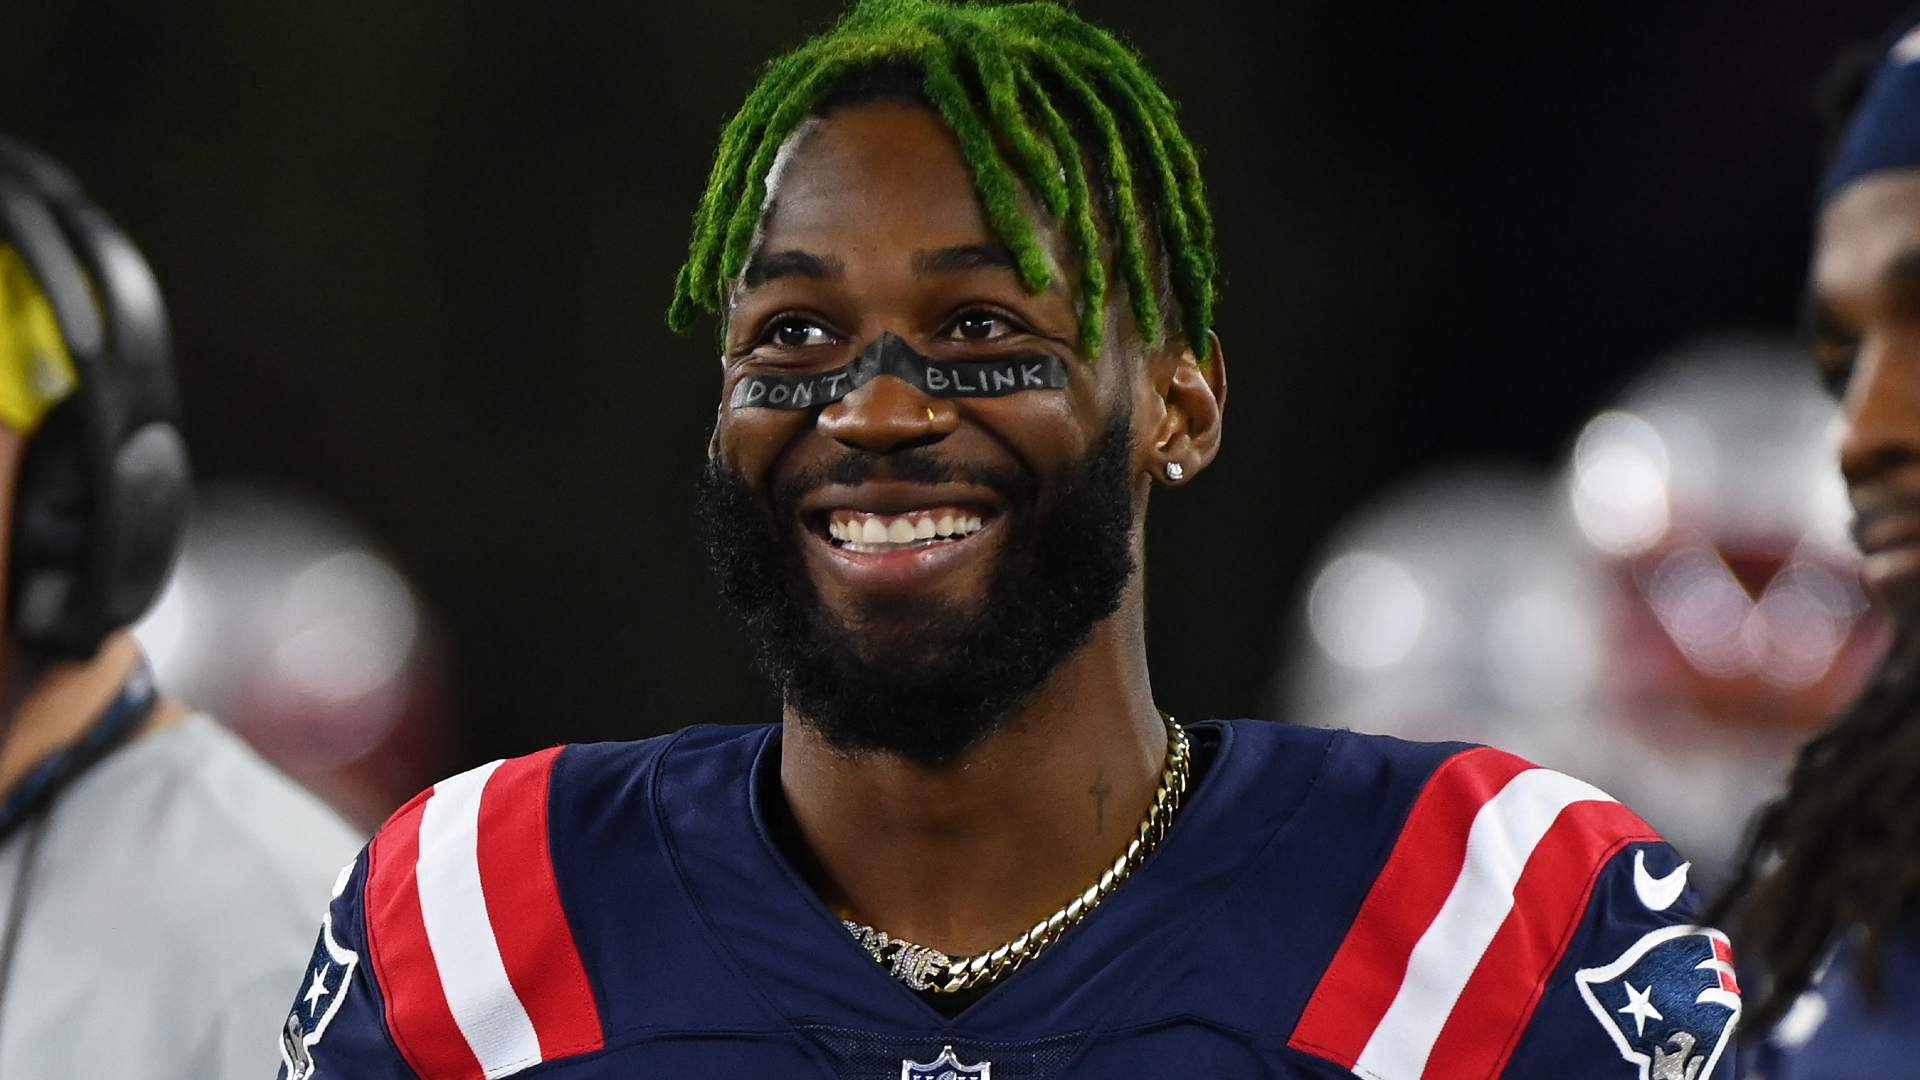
x=1835, y=347
x=798, y=333
x=1835, y=363
x=981, y=326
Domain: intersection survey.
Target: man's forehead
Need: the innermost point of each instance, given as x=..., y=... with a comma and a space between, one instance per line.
x=866, y=151
x=767, y=265
x=1870, y=232
x=859, y=170
x=881, y=177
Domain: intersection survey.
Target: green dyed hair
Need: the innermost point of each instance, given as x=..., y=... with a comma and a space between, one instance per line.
x=1021, y=85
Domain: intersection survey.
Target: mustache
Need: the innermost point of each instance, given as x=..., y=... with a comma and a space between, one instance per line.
x=916, y=465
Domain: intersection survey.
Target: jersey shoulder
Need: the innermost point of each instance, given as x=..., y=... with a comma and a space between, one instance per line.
x=1513, y=906
x=451, y=949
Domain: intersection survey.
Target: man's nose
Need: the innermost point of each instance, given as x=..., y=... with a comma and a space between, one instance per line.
x=1882, y=408
x=888, y=414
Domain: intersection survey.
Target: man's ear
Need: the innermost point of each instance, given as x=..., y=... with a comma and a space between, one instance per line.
x=1191, y=396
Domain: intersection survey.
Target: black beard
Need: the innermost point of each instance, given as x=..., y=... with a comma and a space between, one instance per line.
x=919, y=678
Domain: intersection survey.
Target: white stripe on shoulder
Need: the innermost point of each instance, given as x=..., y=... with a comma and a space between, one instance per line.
x=465, y=950
x=1504, y=834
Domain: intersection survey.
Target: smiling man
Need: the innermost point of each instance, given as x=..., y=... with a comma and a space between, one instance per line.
x=964, y=265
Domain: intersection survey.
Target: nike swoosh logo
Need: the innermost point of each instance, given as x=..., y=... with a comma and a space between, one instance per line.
x=1658, y=893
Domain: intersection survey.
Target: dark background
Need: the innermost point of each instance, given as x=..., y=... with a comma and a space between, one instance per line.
x=418, y=251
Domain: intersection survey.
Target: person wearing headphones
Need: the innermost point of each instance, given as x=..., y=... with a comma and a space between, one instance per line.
x=158, y=879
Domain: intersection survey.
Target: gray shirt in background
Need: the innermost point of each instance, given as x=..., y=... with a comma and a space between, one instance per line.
x=172, y=905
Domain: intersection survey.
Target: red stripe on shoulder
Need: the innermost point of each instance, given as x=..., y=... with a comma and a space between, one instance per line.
x=1549, y=901
x=1359, y=985
x=523, y=903
x=418, y=1018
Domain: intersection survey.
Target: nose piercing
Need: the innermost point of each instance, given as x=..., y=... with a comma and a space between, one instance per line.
x=930, y=416
x=1175, y=473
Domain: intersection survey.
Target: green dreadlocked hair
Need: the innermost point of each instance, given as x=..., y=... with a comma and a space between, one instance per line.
x=1019, y=84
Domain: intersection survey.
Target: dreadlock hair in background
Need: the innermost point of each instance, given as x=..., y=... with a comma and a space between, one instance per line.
x=1839, y=854
x=1025, y=88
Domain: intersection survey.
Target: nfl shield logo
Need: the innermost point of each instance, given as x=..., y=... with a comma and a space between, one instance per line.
x=945, y=1067
x=1669, y=1002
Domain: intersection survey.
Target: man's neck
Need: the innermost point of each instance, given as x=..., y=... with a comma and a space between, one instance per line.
x=965, y=857
x=61, y=704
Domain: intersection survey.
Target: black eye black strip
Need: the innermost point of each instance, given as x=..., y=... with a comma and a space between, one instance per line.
x=891, y=355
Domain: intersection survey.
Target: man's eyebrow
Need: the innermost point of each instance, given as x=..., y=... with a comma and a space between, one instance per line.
x=766, y=267
x=1904, y=269
x=1902, y=282
x=964, y=257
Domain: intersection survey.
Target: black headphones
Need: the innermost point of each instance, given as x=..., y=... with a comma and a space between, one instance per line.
x=103, y=491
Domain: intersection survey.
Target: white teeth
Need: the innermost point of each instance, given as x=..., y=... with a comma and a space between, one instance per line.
x=864, y=532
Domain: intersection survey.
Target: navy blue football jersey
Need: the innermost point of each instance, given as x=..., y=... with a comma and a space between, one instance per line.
x=1325, y=905
x=1835, y=1032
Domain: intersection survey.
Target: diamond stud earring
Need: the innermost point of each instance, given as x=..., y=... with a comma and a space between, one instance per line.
x=1175, y=473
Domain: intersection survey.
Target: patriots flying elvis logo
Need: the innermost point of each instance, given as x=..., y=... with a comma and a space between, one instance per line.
x=321, y=993
x=1669, y=1001
x=945, y=1067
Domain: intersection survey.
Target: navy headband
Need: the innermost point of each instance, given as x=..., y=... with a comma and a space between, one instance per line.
x=1885, y=130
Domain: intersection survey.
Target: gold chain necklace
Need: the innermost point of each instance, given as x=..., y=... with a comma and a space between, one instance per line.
x=924, y=968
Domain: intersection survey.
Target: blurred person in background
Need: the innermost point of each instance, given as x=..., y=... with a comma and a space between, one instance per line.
x=1829, y=893
x=1452, y=608
x=964, y=261
x=1709, y=497
x=1668, y=619
x=158, y=880
x=287, y=623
